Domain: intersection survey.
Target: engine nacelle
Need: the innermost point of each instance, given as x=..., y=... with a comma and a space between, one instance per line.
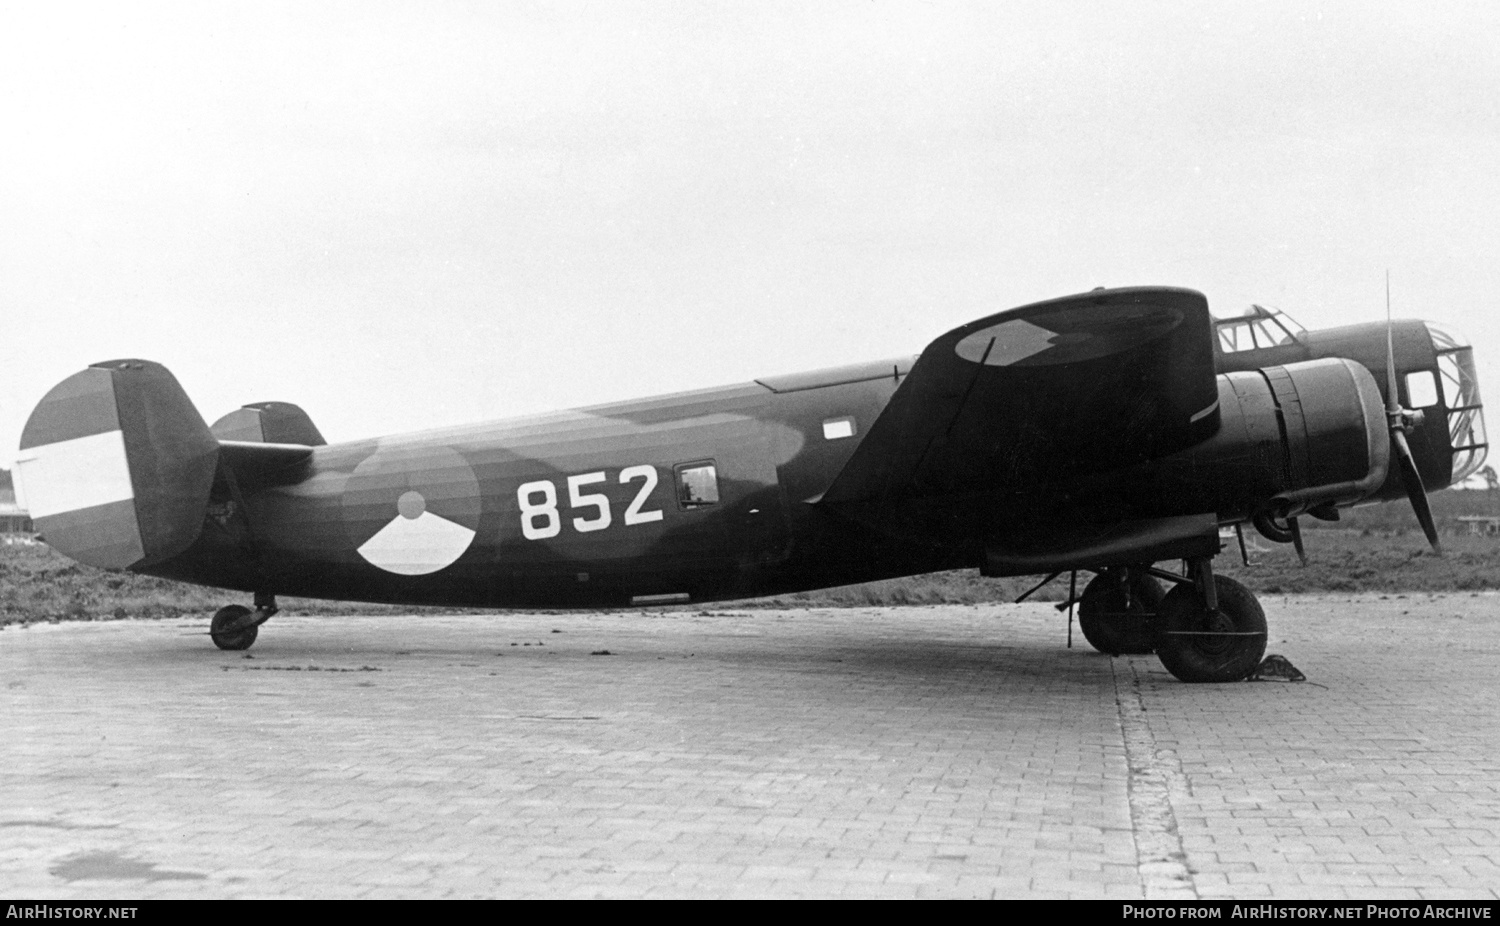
x=1293, y=438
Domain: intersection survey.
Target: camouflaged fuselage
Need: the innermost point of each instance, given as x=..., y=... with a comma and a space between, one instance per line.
x=633, y=538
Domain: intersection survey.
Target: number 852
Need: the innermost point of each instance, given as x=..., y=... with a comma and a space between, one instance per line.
x=538, y=502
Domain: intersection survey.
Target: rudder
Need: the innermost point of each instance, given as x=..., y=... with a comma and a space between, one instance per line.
x=116, y=465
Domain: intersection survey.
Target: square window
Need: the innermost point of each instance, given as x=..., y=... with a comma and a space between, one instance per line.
x=697, y=485
x=835, y=428
x=1421, y=389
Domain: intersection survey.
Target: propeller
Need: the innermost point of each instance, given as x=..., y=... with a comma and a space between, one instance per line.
x=1401, y=420
x=1296, y=530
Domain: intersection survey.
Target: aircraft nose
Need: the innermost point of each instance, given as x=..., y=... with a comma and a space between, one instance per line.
x=1465, y=411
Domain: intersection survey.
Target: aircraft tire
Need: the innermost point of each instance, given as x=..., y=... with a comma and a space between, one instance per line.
x=1273, y=530
x=1114, y=625
x=225, y=619
x=1205, y=658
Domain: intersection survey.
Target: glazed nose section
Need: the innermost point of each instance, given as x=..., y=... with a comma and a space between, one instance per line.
x=1459, y=395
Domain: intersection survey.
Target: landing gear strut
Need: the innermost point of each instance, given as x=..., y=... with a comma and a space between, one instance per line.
x=235, y=627
x=1210, y=629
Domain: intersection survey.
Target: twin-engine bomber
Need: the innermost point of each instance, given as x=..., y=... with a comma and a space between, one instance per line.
x=1104, y=432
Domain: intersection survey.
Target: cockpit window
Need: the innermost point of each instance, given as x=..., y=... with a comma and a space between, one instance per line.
x=1258, y=329
x=1236, y=337
x=1288, y=324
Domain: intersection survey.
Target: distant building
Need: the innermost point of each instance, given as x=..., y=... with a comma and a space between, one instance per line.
x=1479, y=525
x=14, y=519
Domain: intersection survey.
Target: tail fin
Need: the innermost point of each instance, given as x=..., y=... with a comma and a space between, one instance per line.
x=116, y=465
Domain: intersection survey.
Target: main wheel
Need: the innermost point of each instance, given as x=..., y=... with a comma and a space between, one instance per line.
x=1117, y=612
x=1197, y=646
x=224, y=628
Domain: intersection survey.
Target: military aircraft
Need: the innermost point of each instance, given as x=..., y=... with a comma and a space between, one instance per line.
x=1105, y=432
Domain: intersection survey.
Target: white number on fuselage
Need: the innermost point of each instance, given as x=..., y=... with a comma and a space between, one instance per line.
x=541, y=520
x=634, y=514
x=600, y=502
x=551, y=526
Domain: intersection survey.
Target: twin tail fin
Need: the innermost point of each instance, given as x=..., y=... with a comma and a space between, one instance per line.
x=117, y=468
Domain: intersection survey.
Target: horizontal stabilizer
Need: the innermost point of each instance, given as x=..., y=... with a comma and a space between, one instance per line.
x=269, y=423
x=116, y=465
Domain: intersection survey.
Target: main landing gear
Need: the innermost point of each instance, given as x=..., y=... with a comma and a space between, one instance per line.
x=1207, y=628
x=1117, y=612
x=235, y=627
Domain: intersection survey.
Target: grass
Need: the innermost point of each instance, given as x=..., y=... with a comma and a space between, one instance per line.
x=1369, y=561
x=38, y=584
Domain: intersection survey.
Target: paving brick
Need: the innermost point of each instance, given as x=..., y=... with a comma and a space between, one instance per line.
x=952, y=752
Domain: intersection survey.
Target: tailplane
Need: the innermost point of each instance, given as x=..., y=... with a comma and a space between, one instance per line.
x=269, y=423
x=116, y=465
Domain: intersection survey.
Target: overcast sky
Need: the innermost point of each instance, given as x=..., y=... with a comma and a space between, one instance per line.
x=405, y=215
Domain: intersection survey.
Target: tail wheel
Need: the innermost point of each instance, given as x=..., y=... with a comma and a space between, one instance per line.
x=1224, y=646
x=1117, y=612
x=228, y=628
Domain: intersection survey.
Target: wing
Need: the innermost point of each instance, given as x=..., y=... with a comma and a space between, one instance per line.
x=1049, y=391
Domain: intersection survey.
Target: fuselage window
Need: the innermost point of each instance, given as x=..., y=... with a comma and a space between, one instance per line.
x=835, y=428
x=1421, y=389
x=697, y=485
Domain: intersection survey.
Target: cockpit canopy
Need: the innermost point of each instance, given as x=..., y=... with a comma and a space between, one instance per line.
x=1257, y=329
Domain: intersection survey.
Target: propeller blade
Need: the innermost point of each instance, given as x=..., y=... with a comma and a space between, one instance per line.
x=1391, y=406
x=1297, y=539
x=1414, y=488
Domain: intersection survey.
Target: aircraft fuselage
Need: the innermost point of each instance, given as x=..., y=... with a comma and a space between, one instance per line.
x=697, y=496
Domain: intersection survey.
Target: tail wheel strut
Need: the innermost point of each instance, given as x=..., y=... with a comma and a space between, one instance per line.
x=235, y=627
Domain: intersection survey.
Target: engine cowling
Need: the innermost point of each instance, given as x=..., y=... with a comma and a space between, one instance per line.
x=1293, y=438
